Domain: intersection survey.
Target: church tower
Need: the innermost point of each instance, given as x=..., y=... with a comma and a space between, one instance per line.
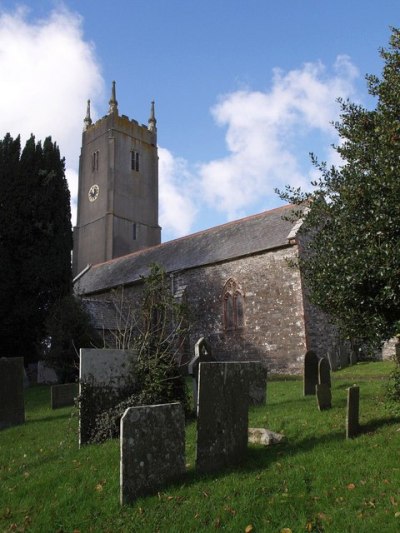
x=118, y=188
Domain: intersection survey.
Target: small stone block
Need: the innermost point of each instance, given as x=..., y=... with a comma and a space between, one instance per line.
x=64, y=395
x=12, y=407
x=353, y=412
x=324, y=372
x=310, y=373
x=152, y=449
x=223, y=401
x=324, y=396
x=264, y=436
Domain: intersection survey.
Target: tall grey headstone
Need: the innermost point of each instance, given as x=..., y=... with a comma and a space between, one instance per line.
x=353, y=412
x=152, y=449
x=324, y=372
x=103, y=374
x=222, y=422
x=310, y=372
x=64, y=395
x=202, y=354
x=324, y=396
x=12, y=407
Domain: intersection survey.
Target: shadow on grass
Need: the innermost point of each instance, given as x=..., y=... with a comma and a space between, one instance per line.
x=375, y=424
x=35, y=420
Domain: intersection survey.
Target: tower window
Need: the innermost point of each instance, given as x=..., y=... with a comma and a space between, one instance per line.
x=233, y=306
x=135, y=160
x=95, y=160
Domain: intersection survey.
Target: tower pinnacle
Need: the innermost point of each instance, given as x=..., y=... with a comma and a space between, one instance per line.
x=152, y=119
x=87, y=120
x=113, y=101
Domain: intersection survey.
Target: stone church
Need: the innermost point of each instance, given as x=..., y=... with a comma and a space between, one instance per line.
x=243, y=294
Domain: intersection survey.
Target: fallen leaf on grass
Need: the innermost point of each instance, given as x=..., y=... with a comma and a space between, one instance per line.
x=286, y=530
x=249, y=529
x=351, y=486
x=393, y=501
x=397, y=515
x=217, y=523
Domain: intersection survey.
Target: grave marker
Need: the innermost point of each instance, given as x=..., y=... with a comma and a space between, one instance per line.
x=202, y=354
x=324, y=372
x=64, y=395
x=12, y=408
x=353, y=412
x=222, y=423
x=310, y=373
x=152, y=449
x=324, y=396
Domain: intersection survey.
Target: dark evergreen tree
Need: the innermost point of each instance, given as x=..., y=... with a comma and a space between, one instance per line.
x=35, y=242
x=353, y=263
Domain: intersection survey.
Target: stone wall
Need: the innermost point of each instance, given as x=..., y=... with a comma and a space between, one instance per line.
x=274, y=329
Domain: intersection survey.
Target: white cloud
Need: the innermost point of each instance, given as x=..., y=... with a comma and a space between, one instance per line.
x=263, y=129
x=177, y=208
x=48, y=71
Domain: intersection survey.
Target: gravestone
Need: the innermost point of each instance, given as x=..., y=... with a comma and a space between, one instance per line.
x=353, y=412
x=202, y=354
x=324, y=396
x=257, y=383
x=46, y=374
x=103, y=375
x=222, y=422
x=64, y=395
x=310, y=373
x=12, y=408
x=152, y=449
x=324, y=372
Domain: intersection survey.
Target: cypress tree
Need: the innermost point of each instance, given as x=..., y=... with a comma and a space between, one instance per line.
x=35, y=242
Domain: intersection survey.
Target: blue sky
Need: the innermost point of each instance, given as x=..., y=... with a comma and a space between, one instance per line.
x=244, y=90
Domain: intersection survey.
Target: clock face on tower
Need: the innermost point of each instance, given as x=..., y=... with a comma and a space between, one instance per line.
x=93, y=192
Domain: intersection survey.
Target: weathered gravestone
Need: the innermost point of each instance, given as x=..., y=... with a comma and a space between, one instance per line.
x=202, y=354
x=12, y=408
x=222, y=422
x=310, y=372
x=324, y=372
x=324, y=396
x=152, y=449
x=353, y=412
x=103, y=379
x=257, y=383
x=46, y=374
x=64, y=395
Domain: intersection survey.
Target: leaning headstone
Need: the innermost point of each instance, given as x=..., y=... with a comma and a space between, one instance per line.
x=64, y=395
x=152, y=449
x=324, y=372
x=353, y=412
x=310, y=372
x=264, y=436
x=202, y=354
x=12, y=408
x=324, y=396
x=222, y=422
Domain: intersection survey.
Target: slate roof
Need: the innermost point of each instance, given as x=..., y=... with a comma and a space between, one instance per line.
x=247, y=236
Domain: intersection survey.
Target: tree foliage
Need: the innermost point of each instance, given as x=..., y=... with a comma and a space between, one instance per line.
x=68, y=329
x=35, y=241
x=351, y=263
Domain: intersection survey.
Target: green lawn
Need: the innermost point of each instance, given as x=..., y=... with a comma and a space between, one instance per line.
x=316, y=481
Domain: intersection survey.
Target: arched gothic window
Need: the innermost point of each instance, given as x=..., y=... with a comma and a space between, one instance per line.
x=233, y=302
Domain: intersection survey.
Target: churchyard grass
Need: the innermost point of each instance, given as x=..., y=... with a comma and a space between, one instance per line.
x=316, y=481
